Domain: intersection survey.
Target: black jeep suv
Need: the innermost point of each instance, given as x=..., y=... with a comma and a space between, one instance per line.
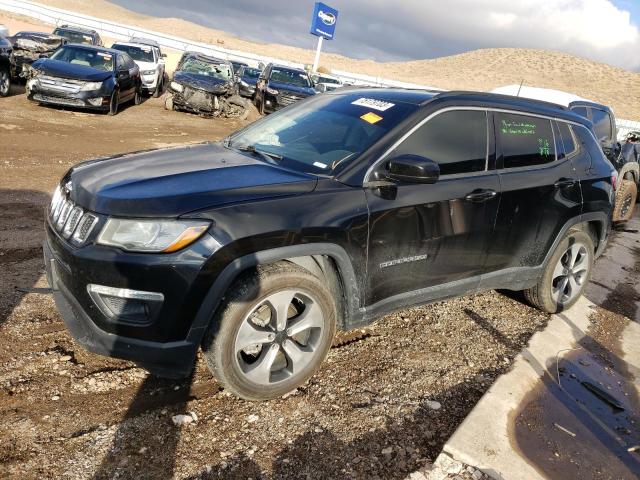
x=326, y=215
x=279, y=86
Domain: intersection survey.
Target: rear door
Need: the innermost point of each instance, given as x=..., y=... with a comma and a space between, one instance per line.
x=540, y=190
x=425, y=235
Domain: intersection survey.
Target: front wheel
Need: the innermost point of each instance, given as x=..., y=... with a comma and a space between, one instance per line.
x=5, y=82
x=159, y=87
x=114, y=103
x=272, y=332
x=137, y=97
x=565, y=275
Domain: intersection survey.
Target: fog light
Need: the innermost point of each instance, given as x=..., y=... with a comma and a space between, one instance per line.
x=121, y=305
x=96, y=102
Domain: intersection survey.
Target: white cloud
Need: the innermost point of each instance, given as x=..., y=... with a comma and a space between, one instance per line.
x=416, y=29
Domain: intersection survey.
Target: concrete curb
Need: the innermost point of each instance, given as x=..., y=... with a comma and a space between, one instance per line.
x=482, y=440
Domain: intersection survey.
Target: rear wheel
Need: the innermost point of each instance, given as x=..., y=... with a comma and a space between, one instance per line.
x=5, y=82
x=272, y=333
x=625, y=201
x=565, y=275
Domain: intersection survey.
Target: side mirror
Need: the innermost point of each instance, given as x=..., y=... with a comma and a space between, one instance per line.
x=164, y=55
x=413, y=169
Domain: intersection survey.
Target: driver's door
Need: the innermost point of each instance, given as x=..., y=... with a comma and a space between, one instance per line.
x=425, y=235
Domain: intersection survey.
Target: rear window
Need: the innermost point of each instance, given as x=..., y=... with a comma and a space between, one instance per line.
x=455, y=140
x=526, y=141
x=601, y=124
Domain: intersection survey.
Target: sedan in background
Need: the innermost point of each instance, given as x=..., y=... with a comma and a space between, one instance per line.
x=88, y=77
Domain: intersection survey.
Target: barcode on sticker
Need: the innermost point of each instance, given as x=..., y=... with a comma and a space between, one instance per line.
x=379, y=105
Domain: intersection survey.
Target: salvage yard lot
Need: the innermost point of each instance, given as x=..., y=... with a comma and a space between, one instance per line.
x=382, y=405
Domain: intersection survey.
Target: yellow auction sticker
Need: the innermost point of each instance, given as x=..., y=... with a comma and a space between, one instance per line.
x=371, y=117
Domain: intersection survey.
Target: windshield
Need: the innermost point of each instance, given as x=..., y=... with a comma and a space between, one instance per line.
x=74, y=37
x=323, y=133
x=139, y=54
x=207, y=69
x=251, y=73
x=85, y=57
x=290, y=77
x=328, y=80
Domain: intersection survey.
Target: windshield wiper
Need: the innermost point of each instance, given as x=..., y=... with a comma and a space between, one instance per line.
x=267, y=157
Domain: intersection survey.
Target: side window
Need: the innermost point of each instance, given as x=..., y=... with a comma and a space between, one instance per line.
x=120, y=62
x=456, y=140
x=526, y=141
x=601, y=124
x=568, y=138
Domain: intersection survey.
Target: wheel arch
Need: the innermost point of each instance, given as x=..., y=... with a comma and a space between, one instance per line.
x=325, y=260
x=630, y=171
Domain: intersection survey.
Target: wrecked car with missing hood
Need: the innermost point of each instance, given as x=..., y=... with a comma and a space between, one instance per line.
x=206, y=86
x=31, y=46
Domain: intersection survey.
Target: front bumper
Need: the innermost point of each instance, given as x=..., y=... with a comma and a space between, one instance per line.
x=92, y=100
x=168, y=345
x=149, y=82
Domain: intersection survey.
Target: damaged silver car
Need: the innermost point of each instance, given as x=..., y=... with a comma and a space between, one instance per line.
x=31, y=46
x=206, y=86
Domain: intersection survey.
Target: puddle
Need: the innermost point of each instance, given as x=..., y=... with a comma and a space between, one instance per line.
x=583, y=419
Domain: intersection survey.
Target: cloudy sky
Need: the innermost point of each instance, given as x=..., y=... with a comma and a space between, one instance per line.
x=604, y=30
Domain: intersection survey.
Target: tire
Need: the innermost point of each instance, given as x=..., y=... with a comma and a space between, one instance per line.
x=570, y=265
x=159, y=87
x=114, y=103
x=626, y=197
x=168, y=103
x=137, y=96
x=261, y=106
x=5, y=82
x=247, y=333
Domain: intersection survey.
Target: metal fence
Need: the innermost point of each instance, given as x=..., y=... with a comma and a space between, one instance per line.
x=56, y=16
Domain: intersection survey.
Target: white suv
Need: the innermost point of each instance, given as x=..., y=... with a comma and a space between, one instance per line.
x=150, y=60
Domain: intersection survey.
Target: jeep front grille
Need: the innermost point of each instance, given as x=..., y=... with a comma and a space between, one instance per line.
x=70, y=220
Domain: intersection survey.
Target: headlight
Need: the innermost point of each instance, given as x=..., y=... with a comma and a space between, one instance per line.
x=176, y=86
x=156, y=236
x=89, y=86
x=272, y=91
x=149, y=72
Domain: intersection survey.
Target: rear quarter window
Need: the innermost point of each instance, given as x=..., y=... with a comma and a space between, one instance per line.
x=456, y=140
x=526, y=141
x=567, y=141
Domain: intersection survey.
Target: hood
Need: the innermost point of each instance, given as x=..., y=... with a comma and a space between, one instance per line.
x=56, y=68
x=202, y=82
x=174, y=181
x=146, y=65
x=305, y=91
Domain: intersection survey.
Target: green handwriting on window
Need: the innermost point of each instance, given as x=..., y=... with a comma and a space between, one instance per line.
x=543, y=147
x=518, y=128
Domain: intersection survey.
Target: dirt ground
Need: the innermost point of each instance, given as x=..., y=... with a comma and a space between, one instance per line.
x=381, y=406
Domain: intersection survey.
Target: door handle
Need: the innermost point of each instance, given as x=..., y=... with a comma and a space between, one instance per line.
x=481, y=195
x=564, y=183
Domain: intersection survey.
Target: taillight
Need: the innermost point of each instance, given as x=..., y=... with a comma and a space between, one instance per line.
x=614, y=180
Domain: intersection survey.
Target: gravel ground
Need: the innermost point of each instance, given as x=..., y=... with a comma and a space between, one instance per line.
x=381, y=406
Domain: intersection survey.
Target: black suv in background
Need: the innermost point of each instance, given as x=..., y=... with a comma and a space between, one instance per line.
x=325, y=215
x=626, y=164
x=280, y=86
x=247, y=78
x=80, y=35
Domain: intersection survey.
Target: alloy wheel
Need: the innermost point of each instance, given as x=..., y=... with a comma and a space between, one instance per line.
x=279, y=337
x=571, y=273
